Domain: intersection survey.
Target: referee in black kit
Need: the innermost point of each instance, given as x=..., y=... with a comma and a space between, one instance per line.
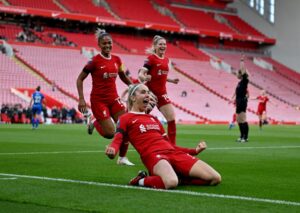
x=241, y=101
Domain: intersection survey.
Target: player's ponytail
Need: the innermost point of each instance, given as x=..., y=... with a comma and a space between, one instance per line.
x=151, y=50
x=100, y=33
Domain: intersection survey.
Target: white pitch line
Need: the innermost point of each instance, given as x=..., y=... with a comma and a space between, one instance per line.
x=9, y=178
x=59, y=152
x=257, y=147
x=130, y=150
x=192, y=193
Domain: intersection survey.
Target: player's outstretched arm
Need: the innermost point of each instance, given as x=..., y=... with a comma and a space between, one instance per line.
x=201, y=147
x=110, y=152
x=174, y=81
x=113, y=148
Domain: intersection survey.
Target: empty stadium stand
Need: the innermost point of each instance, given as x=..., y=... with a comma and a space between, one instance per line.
x=242, y=26
x=41, y=4
x=139, y=11
x=86, y=7
x=204, y=20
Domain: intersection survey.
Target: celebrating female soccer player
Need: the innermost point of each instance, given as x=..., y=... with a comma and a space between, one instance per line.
x=167, y=163
x=241, y=101
x=155, y=74
x=262, y=108
x=105, y=102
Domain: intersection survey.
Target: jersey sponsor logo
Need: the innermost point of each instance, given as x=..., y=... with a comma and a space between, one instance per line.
x=162, y=72
x=109, y=75
x=152, y=126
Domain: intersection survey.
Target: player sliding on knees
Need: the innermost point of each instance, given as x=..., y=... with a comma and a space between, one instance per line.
x=168, y=165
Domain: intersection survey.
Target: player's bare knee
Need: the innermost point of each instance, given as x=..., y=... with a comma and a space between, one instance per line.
x=216, y=180
x=171, y=182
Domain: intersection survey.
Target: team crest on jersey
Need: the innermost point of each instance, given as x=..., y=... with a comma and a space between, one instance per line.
x=142, y=128
x=105, y=75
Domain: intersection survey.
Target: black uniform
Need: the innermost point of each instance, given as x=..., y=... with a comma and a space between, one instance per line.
x=241, y=94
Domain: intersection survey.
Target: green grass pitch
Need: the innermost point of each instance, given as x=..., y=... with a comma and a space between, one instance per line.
x=60, y=168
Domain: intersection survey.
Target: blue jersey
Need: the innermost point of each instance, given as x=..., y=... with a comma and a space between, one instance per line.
x=37, y=98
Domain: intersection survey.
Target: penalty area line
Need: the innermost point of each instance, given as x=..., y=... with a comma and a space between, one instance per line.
x=180, y=192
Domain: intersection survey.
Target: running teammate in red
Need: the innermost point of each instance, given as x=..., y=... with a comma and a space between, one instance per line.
x=262, y=108
x=105, y=102
x=155, y=74
x=168, y=164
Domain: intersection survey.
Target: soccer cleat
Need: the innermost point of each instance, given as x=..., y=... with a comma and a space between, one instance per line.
x=90, y=124
x=124, y=161
x=239, y=140
x=135, y=181
x=90, y=128
x=265, y=122
x=244, y=140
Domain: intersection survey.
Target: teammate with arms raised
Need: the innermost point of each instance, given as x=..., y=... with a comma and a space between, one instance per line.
x=105, y=102
x=241, y=101
x=168, y=164
x=155, y=74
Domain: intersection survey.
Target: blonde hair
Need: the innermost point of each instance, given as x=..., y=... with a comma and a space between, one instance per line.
x=131, y=92
x=156, y=39
x=100, y=33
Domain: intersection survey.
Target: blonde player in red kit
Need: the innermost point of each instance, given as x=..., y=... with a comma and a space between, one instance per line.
x=105, y=102
x=262, y=108
x=168, y=164
x=155, y=74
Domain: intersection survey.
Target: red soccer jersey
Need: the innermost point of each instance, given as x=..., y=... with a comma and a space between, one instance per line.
x=158, y=68
x=145, y=133
x=104, y=72
x=262, y=101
